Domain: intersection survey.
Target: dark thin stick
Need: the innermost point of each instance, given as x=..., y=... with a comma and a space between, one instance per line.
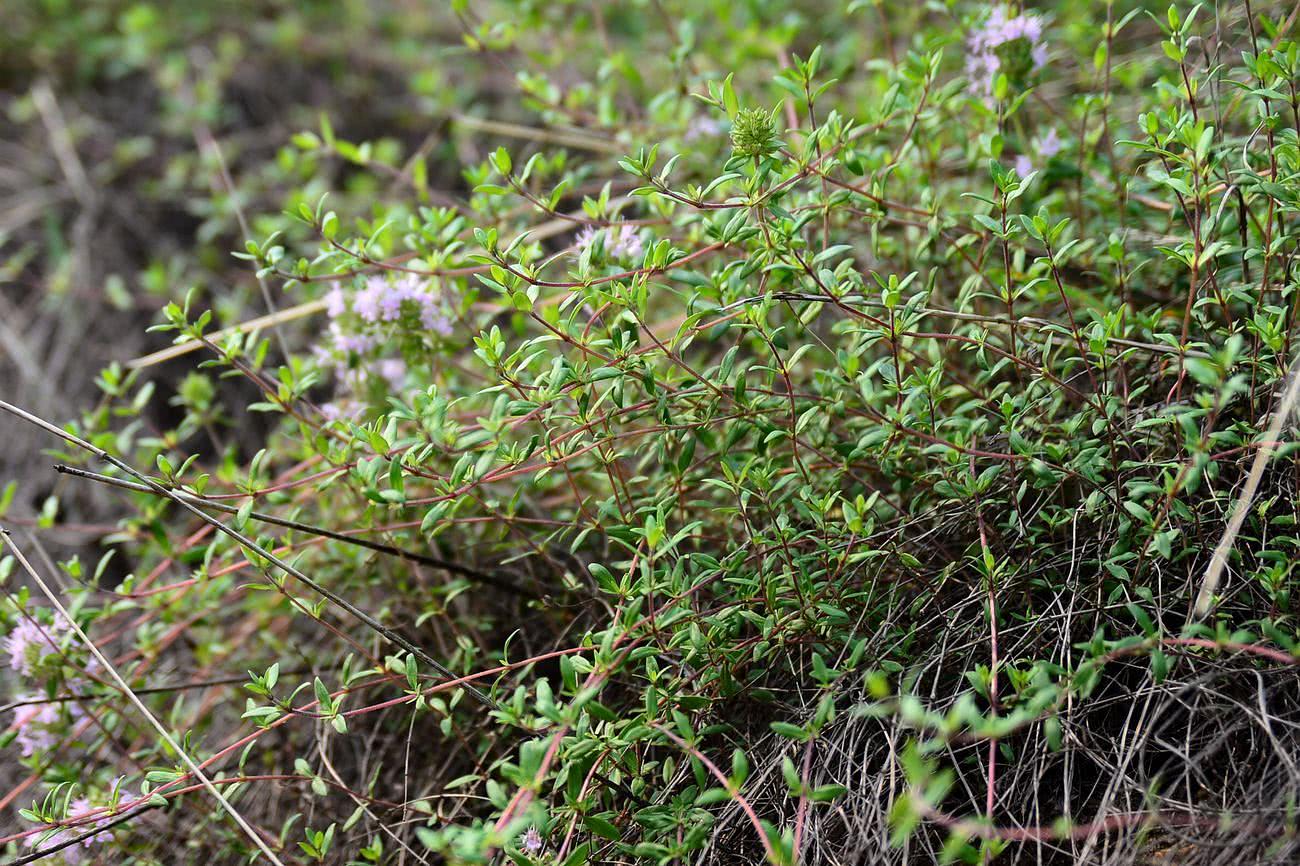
x=263, y=517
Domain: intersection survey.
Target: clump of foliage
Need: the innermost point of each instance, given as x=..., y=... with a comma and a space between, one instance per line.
x=859, y=435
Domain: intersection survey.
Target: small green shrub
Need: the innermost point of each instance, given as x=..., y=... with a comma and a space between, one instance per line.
x=796, y=436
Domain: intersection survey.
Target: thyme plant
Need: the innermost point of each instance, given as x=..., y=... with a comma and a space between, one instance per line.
x=858, y=433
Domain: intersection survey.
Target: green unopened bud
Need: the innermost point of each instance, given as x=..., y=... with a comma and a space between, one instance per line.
x=753, y=133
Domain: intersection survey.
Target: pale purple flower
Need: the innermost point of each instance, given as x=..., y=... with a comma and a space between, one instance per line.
x=982, y=71
x=621, y=240
x=403, y=300
x=437, y=321
x=390, y=303
x=31, y=739
x=75, y=712
x=392, y=371
x=96, y=827
x=983, y=63
x=406, y=288
x=532, y=841
x=342, y=408
x=1049, y=145
x=384, y=301
x=348, y=343
x=30, y=643
x=1023, y=165
x=433, y=317
x=80, y=808
x=628, y=242
x=336, y=302
x=366, y=303
x=999, y=29
x=33, y=723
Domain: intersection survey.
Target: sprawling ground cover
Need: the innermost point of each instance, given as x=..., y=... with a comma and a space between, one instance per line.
x=657, y=432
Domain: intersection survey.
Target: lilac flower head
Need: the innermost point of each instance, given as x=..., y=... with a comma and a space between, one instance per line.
x=532, y=841
x=1004, y=45
x=366, y=303
x=392, y=371
x=1023, y=165
x=361, y=323
x=433, y=317
x=34, y=723
x=30, y=644
x=390, y=302
x=1049, y=145
x=621, y=240
x=336, y=302
x=348, y=343
x=79, y=810
x=628, y=242
x=384, y=301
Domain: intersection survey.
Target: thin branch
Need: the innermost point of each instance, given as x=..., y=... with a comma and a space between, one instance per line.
x=263, y=517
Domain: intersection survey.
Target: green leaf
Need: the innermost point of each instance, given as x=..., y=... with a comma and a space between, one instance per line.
x=602, y=827
x=793, y=732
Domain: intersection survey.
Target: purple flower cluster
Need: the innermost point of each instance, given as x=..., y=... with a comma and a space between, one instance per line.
x=32, y=647
x=621, y=240
x=30, y=644
x=532, y=841
x=1049, y=145
x=356, y=330
x=382, y=300
x=1004, y=44
x=393, y=371
x=35, y=724
x=79, y=816
x=346, y=344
